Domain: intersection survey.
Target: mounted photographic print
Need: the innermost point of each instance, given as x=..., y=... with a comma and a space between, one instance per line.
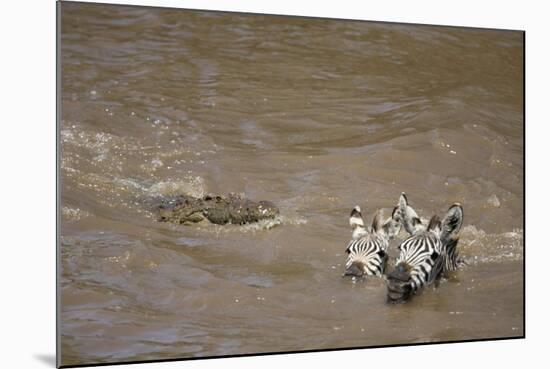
x=241, y=184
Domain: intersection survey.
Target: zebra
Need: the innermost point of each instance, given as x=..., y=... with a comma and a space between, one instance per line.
x=367, y=251
x=451, y=224
x=426, y=254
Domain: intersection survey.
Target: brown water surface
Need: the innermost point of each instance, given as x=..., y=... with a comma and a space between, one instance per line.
x=314, y=115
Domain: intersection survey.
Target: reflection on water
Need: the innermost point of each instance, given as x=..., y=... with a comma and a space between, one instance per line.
x=314, y=115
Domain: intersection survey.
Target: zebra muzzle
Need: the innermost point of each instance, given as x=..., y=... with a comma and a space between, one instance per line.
x=398, y=283
x=354, y=270
x=398, y=292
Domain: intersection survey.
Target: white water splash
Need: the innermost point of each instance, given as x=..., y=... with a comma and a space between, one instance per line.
x=73, y=214
x=262, y=225
x=193, y=186
x=266, y=224
x=477, y=246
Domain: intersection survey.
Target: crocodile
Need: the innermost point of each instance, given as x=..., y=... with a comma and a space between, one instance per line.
x=229, y=209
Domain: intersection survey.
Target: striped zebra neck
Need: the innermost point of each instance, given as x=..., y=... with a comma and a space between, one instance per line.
x=452, y=261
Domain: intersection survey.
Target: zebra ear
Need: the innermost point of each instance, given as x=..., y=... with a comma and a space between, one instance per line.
x=377, y=221
x=452, y=222
x=395, y=213
x=392, y=226
x=411, y=220
x=434, y=225
x=403, y=201
x=355, y=218
x=356, y=223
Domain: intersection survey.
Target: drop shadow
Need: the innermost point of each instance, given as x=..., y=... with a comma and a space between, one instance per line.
x=48, y=359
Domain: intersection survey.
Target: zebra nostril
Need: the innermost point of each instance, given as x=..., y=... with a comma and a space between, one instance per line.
x=353, y=271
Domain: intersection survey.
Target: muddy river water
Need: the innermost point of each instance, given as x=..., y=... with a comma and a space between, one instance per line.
x=314, y=115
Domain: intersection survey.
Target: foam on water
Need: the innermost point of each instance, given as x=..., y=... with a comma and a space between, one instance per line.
x=266, y=224
x=262, y=225
x=477, y=246
x=72, y=214
x=192, y=185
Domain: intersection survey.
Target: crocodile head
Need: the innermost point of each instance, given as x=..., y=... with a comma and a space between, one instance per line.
x=181, y=209
x=243, y=211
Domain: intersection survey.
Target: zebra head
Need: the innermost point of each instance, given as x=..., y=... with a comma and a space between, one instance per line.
x=426, y=255
x=419, y=263
x=367, y=249
x=411, y=221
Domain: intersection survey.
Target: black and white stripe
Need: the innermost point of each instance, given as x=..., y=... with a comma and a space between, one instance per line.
x=421, y=261
x=423, y=255
x=367, y=251
x=367, y=256
x=450, y=229
x=452, y=260
x=429, y=252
